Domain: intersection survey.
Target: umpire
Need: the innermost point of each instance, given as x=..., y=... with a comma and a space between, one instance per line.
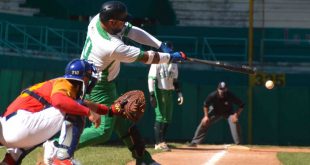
x=219, y=105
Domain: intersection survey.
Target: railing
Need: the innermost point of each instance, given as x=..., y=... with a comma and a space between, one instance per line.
x=231, y=49
x=41, y=41
x=184, y=43
x=63, y=44
x=72, y=45
x=285, y=50
x=1, y=30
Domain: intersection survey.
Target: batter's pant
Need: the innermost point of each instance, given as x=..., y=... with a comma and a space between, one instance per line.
x=105, y=93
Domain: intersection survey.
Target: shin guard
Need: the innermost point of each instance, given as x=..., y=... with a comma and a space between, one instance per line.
x=69, y=136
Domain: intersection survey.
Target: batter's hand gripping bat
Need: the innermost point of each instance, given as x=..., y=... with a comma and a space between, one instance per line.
x=235, y=68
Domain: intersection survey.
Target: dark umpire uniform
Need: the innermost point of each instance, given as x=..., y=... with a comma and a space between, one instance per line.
x=219, y=105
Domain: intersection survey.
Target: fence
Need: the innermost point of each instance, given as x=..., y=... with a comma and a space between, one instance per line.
x=41, y=41
x=64, y=44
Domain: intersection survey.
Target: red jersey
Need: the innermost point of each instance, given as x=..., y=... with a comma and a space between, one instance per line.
x=47, y=90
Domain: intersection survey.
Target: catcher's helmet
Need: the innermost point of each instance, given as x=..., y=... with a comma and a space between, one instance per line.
x=114, y=10
x=78, y=69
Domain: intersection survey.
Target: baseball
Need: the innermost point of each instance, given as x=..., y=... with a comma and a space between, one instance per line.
x=269, y=84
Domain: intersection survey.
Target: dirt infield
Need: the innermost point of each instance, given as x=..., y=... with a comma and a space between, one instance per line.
x=223, y=155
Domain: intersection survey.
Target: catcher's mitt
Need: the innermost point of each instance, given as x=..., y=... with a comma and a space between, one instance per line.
x=133, y=105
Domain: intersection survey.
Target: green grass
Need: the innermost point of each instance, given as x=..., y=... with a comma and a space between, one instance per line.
x=119, y=155
x=101, y=155
x=289, y=158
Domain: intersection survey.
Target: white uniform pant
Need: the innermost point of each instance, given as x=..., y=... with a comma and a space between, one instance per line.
x=26, y=129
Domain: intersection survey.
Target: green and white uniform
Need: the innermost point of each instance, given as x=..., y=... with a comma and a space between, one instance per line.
x=164, y=76
x=107, y=52
x=161, y=82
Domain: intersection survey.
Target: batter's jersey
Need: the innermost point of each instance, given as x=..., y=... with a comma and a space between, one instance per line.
x=46, y=90
x=164, y=74
x=108, y=51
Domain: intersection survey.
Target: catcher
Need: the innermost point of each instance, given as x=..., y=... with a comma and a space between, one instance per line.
x=104, y=46
x=42, y=109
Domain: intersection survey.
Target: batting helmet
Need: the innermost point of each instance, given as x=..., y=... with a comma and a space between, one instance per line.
x=114, y=10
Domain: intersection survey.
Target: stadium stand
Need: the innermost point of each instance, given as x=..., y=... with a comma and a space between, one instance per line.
x=228, y=13
x=13, y=7
x=217, y=34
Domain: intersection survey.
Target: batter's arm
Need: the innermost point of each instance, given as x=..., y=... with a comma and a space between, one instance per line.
x=125, y=53
x=147, y=57
x=128, y=54
x=141, y=36
x=152, y=57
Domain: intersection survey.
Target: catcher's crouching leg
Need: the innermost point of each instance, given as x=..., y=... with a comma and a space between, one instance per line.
x=14, y=156
x=138, y=146
x=69, y=139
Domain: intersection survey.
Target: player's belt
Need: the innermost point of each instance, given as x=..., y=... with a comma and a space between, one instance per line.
x=10, y=115
x=38, y=97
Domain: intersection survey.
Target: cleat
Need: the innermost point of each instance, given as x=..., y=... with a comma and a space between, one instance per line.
x=192, y=145
x=162, y=147
x=49, y=152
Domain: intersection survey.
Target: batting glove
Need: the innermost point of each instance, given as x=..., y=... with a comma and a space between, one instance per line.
x=166, y=47
x=177, y=57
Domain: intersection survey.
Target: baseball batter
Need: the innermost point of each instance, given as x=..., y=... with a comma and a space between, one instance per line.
x=104, y=46
x=40, y=111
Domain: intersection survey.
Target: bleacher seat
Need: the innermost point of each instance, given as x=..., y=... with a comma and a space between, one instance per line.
x=235, y=13
x=13, y=7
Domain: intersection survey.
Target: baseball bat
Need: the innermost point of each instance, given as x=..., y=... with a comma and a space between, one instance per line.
x=235, y=68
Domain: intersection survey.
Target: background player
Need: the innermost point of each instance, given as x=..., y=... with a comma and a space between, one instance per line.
x=162, y=82
x=219, y=105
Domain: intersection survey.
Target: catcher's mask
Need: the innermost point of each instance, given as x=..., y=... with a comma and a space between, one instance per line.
x=222, y=89
x=83, y=71
x=114, y=10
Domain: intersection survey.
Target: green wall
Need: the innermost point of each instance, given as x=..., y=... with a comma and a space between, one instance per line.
x=159, y=10
x=280, y=116
x=17, y=73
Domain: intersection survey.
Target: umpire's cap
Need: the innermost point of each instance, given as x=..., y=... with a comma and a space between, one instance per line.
x=114, y=10
x=222, y=86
